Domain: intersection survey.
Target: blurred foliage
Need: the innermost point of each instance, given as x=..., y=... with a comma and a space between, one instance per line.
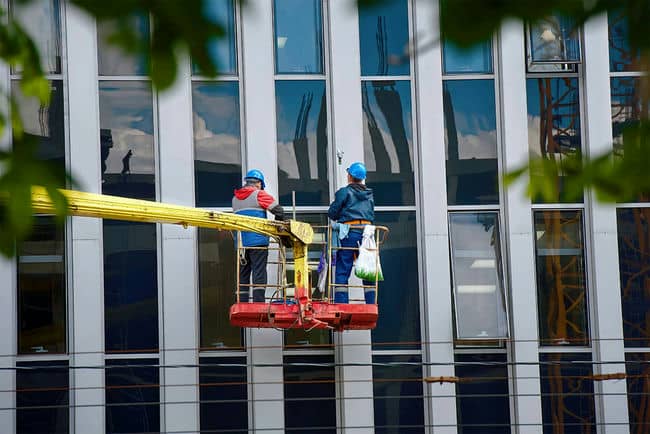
x=181, y=28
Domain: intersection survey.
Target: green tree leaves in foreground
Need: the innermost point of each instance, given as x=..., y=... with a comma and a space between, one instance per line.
x=182, y=28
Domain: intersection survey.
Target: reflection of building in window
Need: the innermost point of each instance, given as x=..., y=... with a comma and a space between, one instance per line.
x=561, y=278
x=567, y=394
x=634, y=264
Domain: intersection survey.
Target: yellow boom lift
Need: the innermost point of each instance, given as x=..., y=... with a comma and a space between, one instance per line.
x=302, y=312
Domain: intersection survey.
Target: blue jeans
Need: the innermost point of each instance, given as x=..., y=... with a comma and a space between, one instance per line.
x=344, y=262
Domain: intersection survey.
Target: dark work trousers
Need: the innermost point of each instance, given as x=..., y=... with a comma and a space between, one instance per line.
x=254, y=262
x=344, y=262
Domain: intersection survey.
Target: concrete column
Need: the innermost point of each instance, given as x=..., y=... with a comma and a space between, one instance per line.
x=352, y=347
x=438, y=330
x=87, y=303
x=267, y=408
x=179, y=291
x=605, y=290
x=519, y=232
x=8, y=323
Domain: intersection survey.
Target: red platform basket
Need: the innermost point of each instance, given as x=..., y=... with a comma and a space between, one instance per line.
x=324, y=315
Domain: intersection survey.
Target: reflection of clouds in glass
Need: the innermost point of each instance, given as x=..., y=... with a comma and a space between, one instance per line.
x=402, y=90
x=215, y=147
x=216, y=122
x=287, y=161
x=369, y=154
x=534, y=145
x=40, y=19
x=126, y=110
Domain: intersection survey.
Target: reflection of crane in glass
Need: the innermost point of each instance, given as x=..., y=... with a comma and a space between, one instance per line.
x=382, y=160
x=638, y=387
x=634, y=255
x=561, y=278
x=300, y=141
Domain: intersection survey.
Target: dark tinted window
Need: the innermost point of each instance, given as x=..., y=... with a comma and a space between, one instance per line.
x=298, y=36
x=476, y=59
x=309, y=395
x=384, y=38
x=302, y=141
x=471, y=142
x=127, y=139
x=621, y=55
x=44, y=126
x=554, y=125
x=112, y=60
x=388, y=141
x=398, y=325
x=637, y=368
x=130, y=286
x=42, y=403
x=42, y=22
x=634, y=266
x=42, y=289
x=223, y=394
x=132, y=396
x=398, y=394
x=482, y=399
x=567, y=394
x=222, y=50
x=217, y=284
x=217, y=142
x=561, y=278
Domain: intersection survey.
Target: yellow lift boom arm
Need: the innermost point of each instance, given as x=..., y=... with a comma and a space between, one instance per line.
x=297, y=234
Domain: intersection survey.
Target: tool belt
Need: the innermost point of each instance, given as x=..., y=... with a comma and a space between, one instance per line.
x=358, y=222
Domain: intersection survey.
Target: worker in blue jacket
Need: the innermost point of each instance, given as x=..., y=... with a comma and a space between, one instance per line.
x=353, y=205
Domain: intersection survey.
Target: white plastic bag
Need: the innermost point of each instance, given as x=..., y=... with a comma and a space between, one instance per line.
x=367, y=266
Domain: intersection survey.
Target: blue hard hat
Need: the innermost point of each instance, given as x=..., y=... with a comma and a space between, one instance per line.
x=256, y=175
x=357, y=170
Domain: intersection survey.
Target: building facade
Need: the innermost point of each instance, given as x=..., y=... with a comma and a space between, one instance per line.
x=523, y=306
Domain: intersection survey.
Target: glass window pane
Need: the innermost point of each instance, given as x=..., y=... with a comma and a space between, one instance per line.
x=567, y=396
x=398, y=326
x=561, y=278
x=224, y=395
x=628, y=105
x=637, y=368
x=299, y=338
x=130, y=286
x=633, y=262
x=42, y=402
x=398, y=394
x=127, y=144
x=476, y=59
x=112, y=60
x=222, y=50
x=388, y=141
x=298, y=36
x=479, y=294
x=42, y=21
x=132, y=396
x=302, y=141
x=471, y=142
x=554, y=39
x=217, y=142
x=621, y=56
x=384, y=38
x=217, y=284
x=42, y=290
x=309, y=394
x=44, y=125
x=482, y=374
x=554, y=122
